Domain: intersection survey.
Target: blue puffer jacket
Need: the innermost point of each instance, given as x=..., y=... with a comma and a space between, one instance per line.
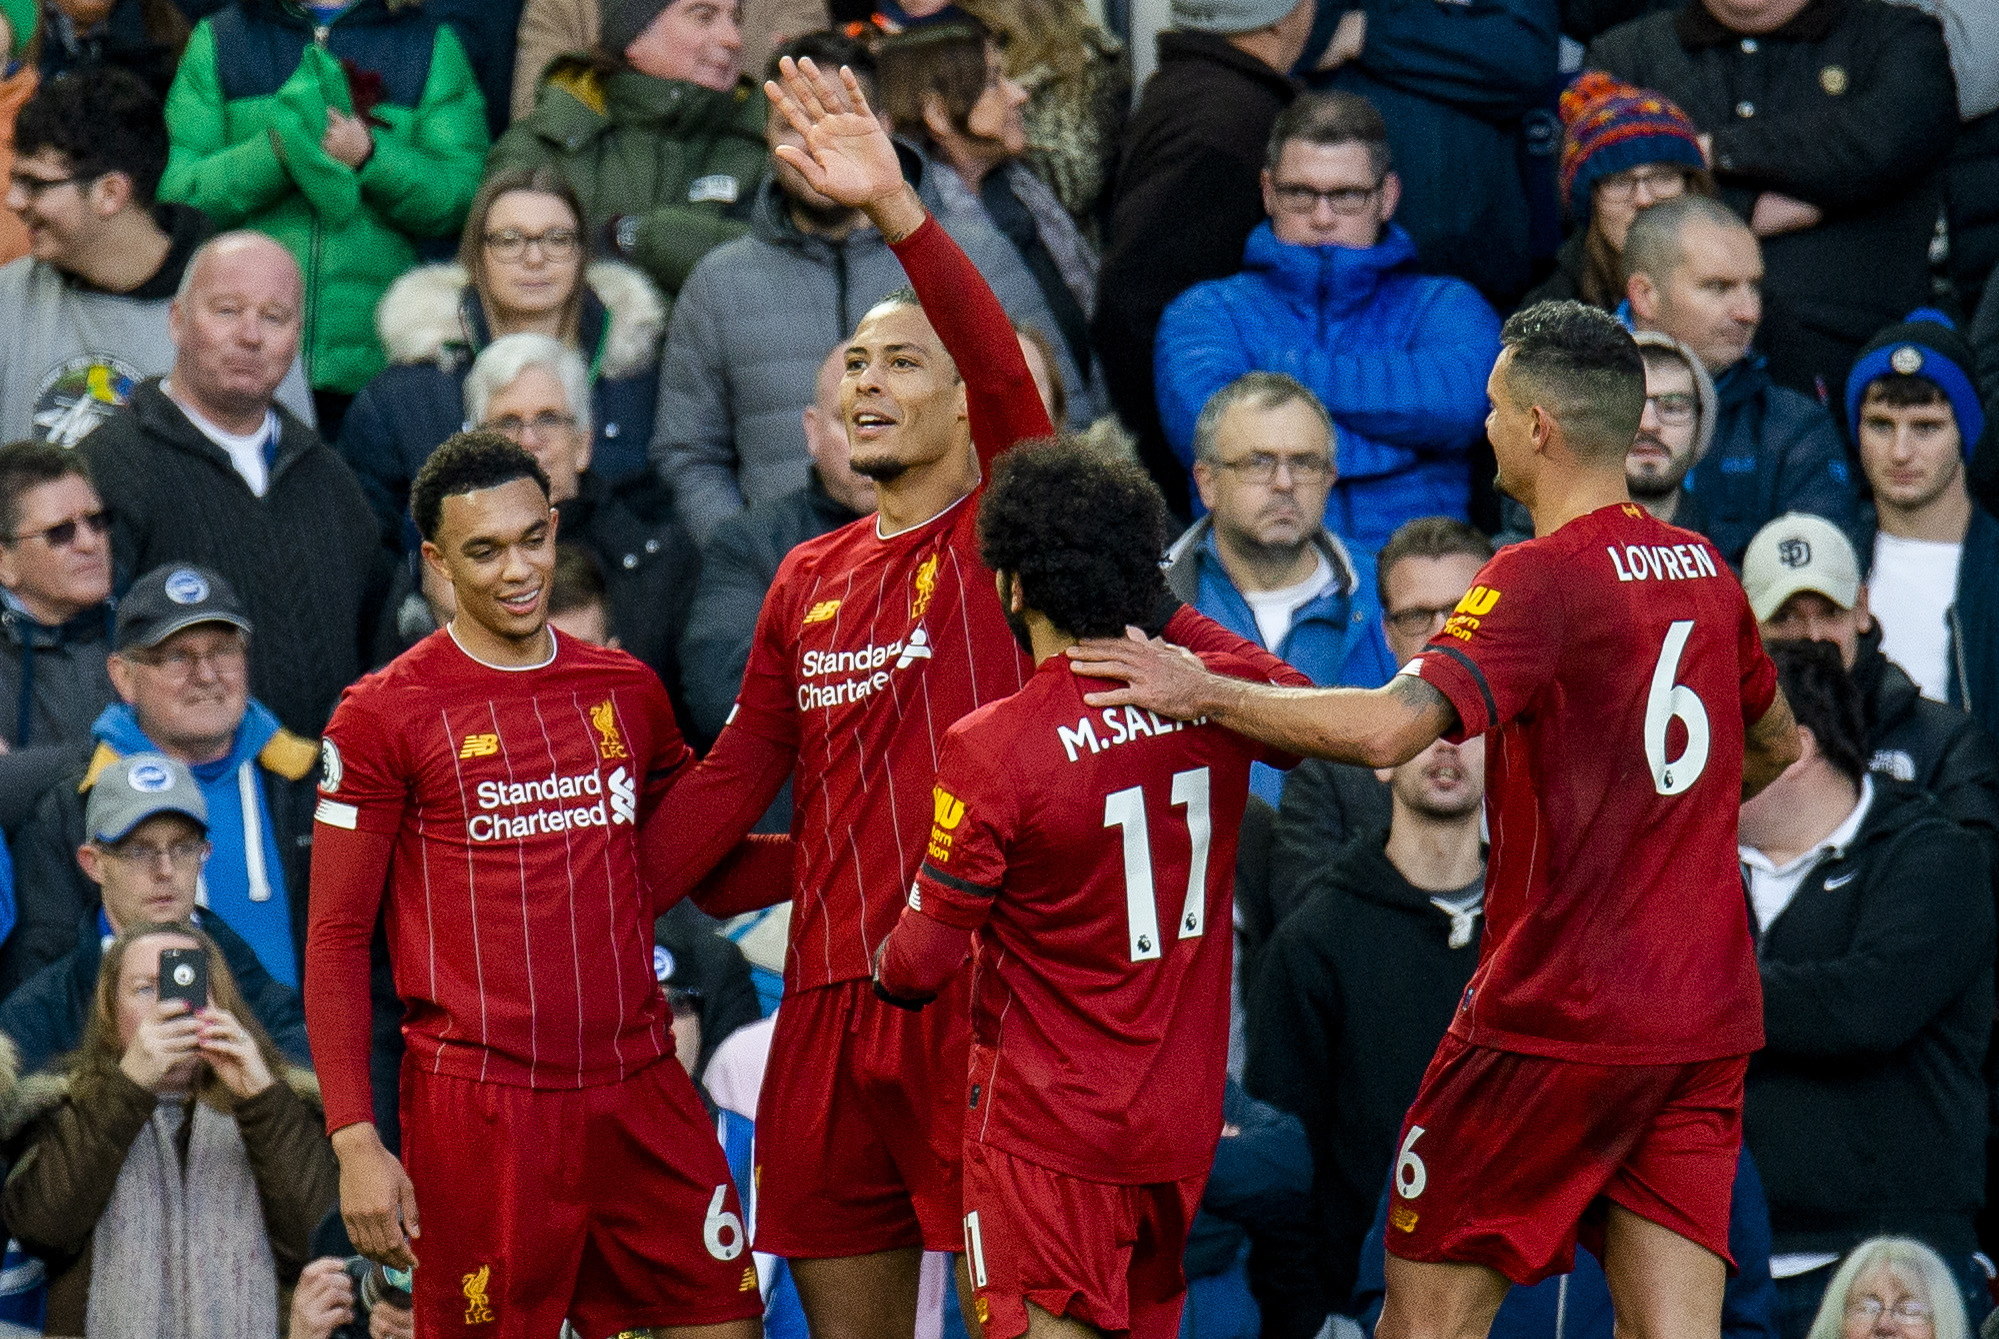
x=1399, y=358
x=1773, y=451
x=1335, y=640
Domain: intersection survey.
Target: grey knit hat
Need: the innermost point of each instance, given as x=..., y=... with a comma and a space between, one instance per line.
x=1227, y=16
x=624, y=20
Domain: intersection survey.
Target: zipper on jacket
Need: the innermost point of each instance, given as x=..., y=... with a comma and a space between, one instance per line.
x=1957, y=658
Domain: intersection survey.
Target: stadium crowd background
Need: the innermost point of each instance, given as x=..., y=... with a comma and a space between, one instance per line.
x=1274, y=271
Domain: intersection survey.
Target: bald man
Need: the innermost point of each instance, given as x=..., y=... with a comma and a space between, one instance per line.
x=205, y=467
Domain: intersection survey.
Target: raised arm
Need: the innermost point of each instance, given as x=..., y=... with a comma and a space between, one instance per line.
x=848, y=157
x=1374, y=727
x=1770, y=746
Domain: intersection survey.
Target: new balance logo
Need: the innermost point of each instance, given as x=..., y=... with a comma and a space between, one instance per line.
x=479, y=746
x=822, y=611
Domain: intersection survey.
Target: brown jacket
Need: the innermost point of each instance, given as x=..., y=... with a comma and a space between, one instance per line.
x=66, y=1156
x=550, y=28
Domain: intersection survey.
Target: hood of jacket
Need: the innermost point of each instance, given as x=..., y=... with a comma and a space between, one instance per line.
x=1704, y=393
x=118, y=729
x=597, y=98
x=1331, y=279
x=1183, y=560
x=186, y=229
x=1888, y=696
x=28, y=1100
x=429, y=316
x=1744, y=380
x=1362, y=870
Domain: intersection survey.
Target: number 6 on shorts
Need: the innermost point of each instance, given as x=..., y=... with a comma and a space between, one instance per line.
x=1410, y=1173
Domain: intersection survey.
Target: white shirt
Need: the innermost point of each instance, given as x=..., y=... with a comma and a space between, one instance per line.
x=1912, y=587
x=1274, y=608
x=245, y=451
x=1771, y=887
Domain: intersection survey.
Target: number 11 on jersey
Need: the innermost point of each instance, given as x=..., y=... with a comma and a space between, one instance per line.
x=1125, y=809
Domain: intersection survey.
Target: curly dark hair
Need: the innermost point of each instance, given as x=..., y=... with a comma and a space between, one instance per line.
x=1825, y=701
x=103, y=120
x=466, y=463
x=1082, y=533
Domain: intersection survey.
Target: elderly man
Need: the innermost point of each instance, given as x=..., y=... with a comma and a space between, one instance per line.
x=204, y=469
x=536, y=391
x=1829, y=122
x=1695, y=272
x=145, y=842
x=55, y=589
x=182, y=671
x=1262, y=562
x=1330, y=293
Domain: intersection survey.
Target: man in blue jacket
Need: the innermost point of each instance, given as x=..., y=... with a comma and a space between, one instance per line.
x=1695, y=272
x=1262, y=562
x=1329, y=294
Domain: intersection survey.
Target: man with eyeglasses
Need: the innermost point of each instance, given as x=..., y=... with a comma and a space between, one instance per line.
x=145, y=845
x=535, y=391
x=55, y=588
x=181, y=669
x=1262, y=562
x=1330, y=294
x=87, y=306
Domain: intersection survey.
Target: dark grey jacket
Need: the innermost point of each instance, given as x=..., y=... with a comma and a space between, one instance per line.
x=53, y=681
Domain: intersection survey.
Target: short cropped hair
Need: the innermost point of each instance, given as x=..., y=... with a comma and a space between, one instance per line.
x=500, y=362
x=1082, y=533
x=1429, y=537
x=103, y=120
x=1578, y=363
x=578, y=582
x=25, y=466
x=467, y=463
x=1652, y=246
x=1332, y=118
x=947, y=59
x=1895, y=391
x=1824, y=700
x=1260, y=390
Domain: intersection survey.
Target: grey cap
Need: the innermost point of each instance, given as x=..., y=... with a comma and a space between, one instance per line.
x=1795, y=552
x=1229, y=16
x=138, y=787
x=168, y=599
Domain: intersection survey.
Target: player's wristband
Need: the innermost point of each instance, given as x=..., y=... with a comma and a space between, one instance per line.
x=900, y=1001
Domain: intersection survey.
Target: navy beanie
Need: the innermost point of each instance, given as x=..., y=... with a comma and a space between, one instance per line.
x=1925, y=345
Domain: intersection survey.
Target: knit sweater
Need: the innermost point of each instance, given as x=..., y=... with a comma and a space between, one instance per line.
x=305, y=558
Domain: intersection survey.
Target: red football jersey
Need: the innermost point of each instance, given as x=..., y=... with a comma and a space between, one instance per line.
x=518, y=927
x=1099, y=848
x=1614, y=666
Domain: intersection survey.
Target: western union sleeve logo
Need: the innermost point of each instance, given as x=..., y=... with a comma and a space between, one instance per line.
x=822, y=611
x=479, y=746
x=947, y=812
x=1477, y=603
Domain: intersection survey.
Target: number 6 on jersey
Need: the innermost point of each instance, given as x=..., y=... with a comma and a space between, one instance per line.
x=1126, y=809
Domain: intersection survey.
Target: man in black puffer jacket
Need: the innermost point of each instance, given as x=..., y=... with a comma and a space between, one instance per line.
x=1866, y=1110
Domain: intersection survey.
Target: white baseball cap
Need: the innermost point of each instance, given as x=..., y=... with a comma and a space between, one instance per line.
x=1798, y=552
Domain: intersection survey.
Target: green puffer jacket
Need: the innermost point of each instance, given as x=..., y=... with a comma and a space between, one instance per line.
x=680, y=160
x=246, y=115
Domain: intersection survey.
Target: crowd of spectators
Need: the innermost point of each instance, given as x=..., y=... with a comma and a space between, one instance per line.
x=259, y=258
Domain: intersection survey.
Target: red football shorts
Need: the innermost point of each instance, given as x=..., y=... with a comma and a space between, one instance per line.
x=610, y=1207
x=1506, y=1160
x=1107, y=1255
x=860, y=1124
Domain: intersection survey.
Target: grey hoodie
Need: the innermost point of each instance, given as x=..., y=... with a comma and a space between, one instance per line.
x=753, y=323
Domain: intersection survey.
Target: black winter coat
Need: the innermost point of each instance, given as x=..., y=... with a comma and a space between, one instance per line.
x=648, y=559
x=1866, y=1109
x=1355, y=991
x=1184, y=200
x=1937, y=748
x=1773, y=451
x=305, y=558
x=1849, y=107
x=1325, y=805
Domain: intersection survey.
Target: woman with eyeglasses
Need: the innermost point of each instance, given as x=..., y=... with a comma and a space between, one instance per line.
x=1893, y=1288
x=523, y=267
x=1624, y=149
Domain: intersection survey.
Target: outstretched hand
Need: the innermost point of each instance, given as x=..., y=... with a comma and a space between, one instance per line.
x=1158, y=676
x=848, y=156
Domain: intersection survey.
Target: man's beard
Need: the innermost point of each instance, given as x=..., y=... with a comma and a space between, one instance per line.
x=881, y=469
x=1017, y=624
x=1655, y=486
x=818, y=217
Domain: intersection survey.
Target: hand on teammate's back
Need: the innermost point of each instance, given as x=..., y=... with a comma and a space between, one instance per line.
x=377, y=1202
x=1158, y=676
